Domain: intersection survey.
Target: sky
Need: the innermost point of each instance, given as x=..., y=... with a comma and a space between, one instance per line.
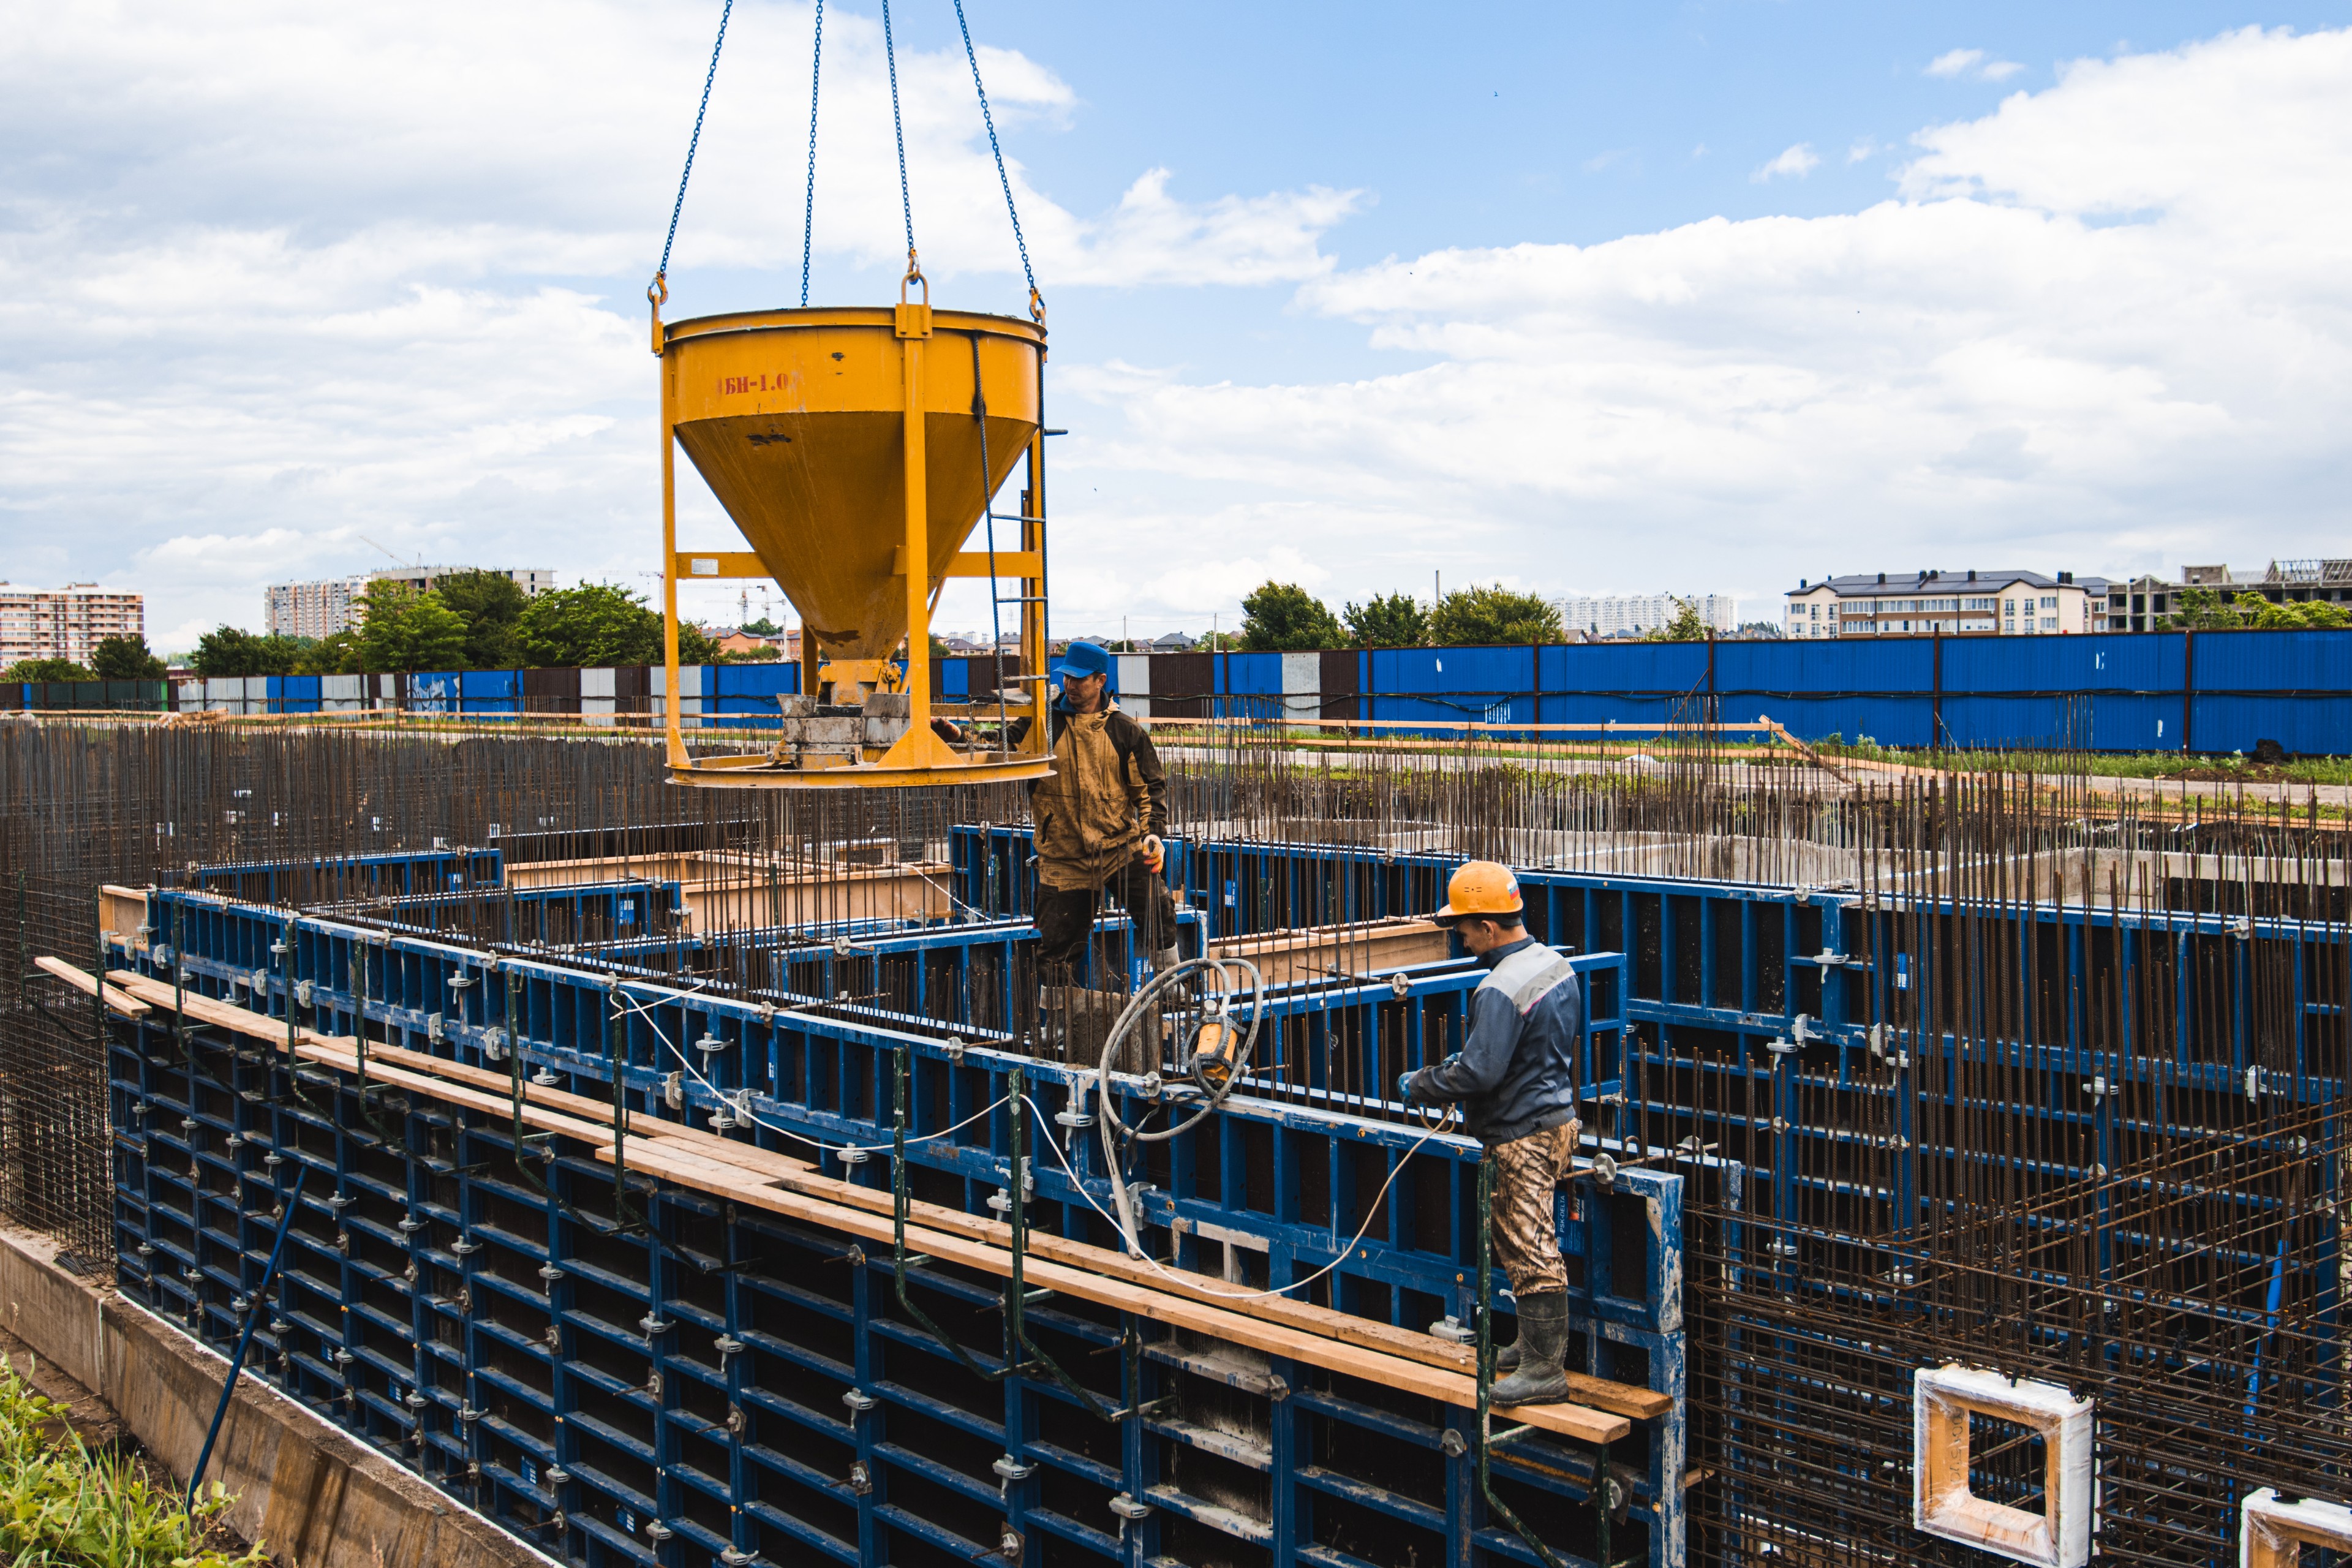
x=1696, y=297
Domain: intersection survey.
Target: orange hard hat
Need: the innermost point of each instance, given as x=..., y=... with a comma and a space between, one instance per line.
x=1481, y=888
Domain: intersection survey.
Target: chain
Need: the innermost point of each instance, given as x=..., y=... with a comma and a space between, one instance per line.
x=808, y=212
x=905, y=202
x=1036, y=300
x=693, y=142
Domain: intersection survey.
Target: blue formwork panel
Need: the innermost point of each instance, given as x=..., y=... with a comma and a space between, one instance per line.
x=559, y=915
x=295, y=694
x=397, y=874
x=627, y=1370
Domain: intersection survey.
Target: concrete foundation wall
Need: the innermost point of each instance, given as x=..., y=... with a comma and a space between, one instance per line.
x=316, y=1498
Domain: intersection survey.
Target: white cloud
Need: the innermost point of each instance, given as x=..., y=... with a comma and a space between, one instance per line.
x=273, y=277
x=1990, y=369
x=1862, y=148
x=1795, y=162
x=278, y=278
x=1955, y=63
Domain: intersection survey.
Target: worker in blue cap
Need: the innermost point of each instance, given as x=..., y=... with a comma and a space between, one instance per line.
x=1099, y=818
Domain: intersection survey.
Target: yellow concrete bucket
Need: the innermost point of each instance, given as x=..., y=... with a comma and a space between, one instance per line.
x=847, y=444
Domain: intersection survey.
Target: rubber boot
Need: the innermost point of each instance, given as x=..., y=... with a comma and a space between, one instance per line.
x=1543, y=1341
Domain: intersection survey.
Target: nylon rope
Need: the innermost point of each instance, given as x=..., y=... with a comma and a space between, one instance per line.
x=693, y=142
x=905, y=202
x=808, y=210
x=988, y=118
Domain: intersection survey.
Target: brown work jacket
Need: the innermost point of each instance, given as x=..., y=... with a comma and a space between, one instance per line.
x=1107, y=790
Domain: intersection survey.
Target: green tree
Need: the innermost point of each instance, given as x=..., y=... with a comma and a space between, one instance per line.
x=126, y=659
x=337, y=654
x=46, y=670
x=1470, y=617
x=763, y=627
x=489, y=603
x=402, y=629
x=1686, y=627
x=599, y=624
x=2202, y=609
x=2312, y=614
x=1283, y=617
x=227, y=650
x=1386, y=620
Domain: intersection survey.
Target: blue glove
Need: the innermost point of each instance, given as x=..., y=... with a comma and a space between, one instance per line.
x=1404, y=1086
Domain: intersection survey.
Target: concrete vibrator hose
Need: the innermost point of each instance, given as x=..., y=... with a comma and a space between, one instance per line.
x=1219, y=1054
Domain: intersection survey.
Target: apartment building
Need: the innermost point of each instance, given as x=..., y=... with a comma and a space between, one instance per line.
x=65, y=623
x=1605, y=614
x=316, y=609
x=327, y=606
x=1947, y=603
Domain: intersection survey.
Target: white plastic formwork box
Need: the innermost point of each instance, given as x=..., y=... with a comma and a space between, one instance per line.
x=1942, y=1398
x=597, y=703
x=1302, y=686
x=2273, y=1530
x=341, y=693
x=1134, y=673
x=693, y=684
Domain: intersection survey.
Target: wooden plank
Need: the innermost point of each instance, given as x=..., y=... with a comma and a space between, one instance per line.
x=1181, y=1311
x=798, y=1175
x=80, y=979
x=698, y=1160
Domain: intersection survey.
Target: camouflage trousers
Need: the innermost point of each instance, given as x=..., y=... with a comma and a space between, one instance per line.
x=1519, y=1209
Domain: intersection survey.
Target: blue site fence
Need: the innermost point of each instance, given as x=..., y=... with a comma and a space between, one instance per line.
x=2124, y=692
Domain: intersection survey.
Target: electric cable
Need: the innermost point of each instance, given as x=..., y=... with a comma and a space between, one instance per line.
x=1195, y=1281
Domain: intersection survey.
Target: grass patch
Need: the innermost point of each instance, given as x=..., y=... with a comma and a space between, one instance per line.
x=66, y=1505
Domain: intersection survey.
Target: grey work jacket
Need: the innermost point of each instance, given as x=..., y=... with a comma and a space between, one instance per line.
x=1517, y=1071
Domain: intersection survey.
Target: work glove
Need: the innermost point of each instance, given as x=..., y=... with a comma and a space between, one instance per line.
x=1404, y=1086
x=1155, y=854
x=947, y=732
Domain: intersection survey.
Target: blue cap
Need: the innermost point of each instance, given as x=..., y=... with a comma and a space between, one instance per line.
x=1082, y=659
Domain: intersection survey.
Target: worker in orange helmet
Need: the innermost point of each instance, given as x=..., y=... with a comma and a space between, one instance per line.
x=1515, y=1080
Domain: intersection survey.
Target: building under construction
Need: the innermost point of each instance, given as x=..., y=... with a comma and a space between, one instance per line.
x=685, y=1176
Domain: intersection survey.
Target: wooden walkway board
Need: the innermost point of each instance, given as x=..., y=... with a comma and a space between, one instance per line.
x=129, y=1006
x=1354, y=1347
